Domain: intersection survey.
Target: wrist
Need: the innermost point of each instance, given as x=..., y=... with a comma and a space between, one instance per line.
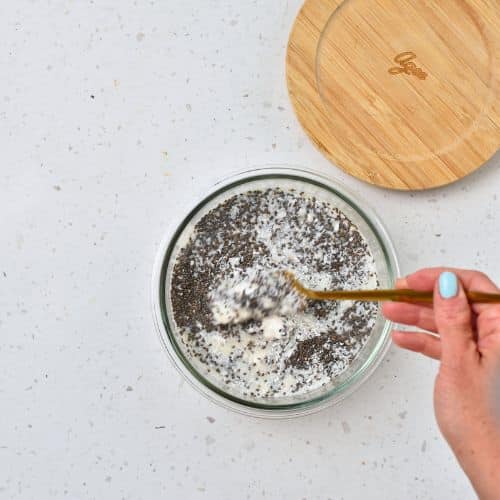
x=481, y=462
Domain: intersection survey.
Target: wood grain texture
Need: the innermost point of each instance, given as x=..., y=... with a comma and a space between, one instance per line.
x=424, y=119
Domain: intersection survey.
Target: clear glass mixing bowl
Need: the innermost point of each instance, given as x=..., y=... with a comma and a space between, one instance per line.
x=387, y=269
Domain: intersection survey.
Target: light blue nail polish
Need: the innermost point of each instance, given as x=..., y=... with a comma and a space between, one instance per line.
x=448, y=285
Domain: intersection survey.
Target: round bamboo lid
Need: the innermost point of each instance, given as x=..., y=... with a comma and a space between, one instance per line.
x=402, y=94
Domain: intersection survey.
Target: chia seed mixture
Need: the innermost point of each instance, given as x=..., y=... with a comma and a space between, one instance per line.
x=254, y=295
x=275, y=344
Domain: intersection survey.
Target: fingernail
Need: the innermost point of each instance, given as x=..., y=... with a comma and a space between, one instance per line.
x=448, y=285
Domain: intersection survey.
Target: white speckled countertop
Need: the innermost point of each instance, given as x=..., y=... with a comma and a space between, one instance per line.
x=113, y=115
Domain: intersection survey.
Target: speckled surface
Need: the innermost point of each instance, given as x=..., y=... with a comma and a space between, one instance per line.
x=114, y=116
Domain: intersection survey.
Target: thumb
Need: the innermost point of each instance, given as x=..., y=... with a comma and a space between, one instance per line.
x=453, y=317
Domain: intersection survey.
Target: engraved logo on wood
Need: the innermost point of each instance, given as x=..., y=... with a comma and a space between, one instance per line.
x=406, y=65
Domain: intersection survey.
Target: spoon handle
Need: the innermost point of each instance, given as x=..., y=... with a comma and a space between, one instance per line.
x=402, y=295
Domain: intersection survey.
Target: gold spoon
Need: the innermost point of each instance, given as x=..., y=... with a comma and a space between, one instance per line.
x=402, y=295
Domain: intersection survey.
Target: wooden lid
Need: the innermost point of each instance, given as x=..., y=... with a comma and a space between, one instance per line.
x=402, y=94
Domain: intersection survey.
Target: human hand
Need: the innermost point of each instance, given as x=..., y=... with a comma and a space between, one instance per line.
x=467, y=342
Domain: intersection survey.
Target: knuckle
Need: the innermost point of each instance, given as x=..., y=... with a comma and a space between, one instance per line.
x=490, y=341
x=454, y=314
x=449, y=312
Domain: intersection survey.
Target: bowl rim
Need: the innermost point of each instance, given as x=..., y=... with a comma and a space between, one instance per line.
x=165, y=331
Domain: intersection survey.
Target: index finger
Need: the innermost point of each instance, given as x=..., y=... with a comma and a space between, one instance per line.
x=472, y=280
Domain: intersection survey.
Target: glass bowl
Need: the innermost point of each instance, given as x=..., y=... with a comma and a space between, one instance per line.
x=370, y=354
